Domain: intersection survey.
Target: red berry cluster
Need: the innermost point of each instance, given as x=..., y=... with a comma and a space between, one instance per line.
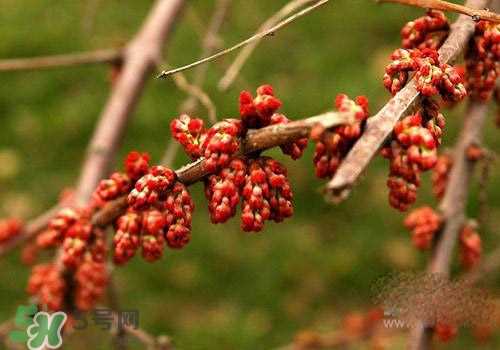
x=431, y=77
x=413, y=149
x=47, y=283
x=424, y=223
x=333, y=145
x=470, y=246
x=9, y=228
x=440, y=175
x=428, y=31
x=482, y=60
x=259, y=182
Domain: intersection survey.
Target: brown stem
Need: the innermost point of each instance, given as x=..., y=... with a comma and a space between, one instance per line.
x=380, y=126
x=255, y=140
x=253, y=38
x=453, y=207
x=56, y=61
x=140, y=57
x=451, y=7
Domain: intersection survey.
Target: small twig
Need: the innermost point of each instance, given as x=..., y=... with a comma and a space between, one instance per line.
x=253, y=38
x=381, y=125
x=450, y=7
x=170, y=152
x=195, y=91
x=119, y=338
x=452, y=207
x=244, y=54
x=56, y=61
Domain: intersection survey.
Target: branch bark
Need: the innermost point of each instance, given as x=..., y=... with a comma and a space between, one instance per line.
x=255, y=140
x=450, y=7
x=140, y=57
x=453, y=207
x=56, y=61
x=380, y=126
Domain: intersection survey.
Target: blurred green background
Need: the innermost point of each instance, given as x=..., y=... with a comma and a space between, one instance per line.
x=226, y=289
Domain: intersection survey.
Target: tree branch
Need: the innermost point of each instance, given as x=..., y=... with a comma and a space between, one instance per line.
x=453, y=207
x=56, y=61
x=255, y=140
x=242, y=57
x=253, y=38
x=450, y=7
x=140, y=57
x=380, y=126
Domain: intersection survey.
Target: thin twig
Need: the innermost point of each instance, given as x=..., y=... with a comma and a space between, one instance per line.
x=453, y=207
x=253, y=38
x=56, y=61
x=119, y=338
x=450, y=7
x=234, y=69
x=380, y=126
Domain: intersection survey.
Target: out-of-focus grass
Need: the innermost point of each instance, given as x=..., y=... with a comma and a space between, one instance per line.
x=227, y=289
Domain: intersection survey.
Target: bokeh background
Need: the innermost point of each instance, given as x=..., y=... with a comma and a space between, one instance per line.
x=226, y=289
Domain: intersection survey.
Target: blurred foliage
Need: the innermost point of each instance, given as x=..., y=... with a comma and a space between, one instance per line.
x=227, y=289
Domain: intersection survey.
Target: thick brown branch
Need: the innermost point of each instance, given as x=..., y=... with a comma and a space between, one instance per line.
x=253, y=38
x=260, y=139
x=453, y=207
x=140, y=57
x=56, y=61
x=450, y=7
x=380, y=126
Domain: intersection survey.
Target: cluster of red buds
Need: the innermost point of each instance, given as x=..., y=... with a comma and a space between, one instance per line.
x=424, y=223
x=159, y=214
x=332, y=145
x=470, y=245
x=48, y=284
x=482, y=60
x=413, y=149
x=431, y=77
x=440, y=175
x=91, y=279
x=9, y=228
x=260, y=183
x=428, y=31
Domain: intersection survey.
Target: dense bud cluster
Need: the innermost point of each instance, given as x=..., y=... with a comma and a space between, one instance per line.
x=152, y=187
x=256, y=112
x=440, y=175
x=266, y=194
x=333, y=145
x=424, y=223
x=91, y=279
x=482, y=60
x=47, y=283
x=428, y=31
x=9, y=228
x=431, y=77
x=190, y=133
x=221, y=143
x=222, y=190
x=413, y=149
x=470, y=246
x=259, y=182
x=136, y=165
